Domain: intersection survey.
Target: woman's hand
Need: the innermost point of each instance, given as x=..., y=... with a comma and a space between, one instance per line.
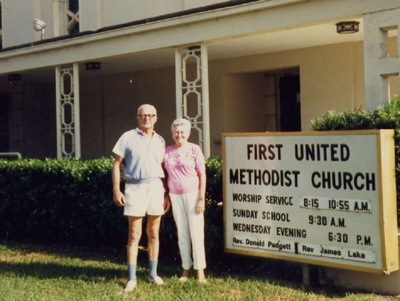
x=200, y=205
x=167, y=202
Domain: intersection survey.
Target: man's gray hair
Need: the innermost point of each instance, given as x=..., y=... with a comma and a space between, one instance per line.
x=183, y=122
x=146, y=105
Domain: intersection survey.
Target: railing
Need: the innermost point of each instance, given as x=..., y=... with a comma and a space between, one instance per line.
x=11, y=154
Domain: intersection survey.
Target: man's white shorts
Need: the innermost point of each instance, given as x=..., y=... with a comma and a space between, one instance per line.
x=142, y=198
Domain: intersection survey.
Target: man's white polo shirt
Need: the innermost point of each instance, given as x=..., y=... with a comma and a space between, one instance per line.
x=142, y=160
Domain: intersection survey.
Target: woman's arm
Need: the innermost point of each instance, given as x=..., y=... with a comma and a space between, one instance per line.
x=202, y=194
x=167, y=201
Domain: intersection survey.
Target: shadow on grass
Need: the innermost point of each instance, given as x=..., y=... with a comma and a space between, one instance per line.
x=73, y=252
x=239, y=267
x=226, y=265
x=51, y=270
x=279, y=272
x=40, y=270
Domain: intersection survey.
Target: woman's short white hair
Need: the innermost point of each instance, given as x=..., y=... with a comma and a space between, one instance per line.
x=183, y=122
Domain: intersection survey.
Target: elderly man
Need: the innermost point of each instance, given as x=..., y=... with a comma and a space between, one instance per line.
x=141, y=152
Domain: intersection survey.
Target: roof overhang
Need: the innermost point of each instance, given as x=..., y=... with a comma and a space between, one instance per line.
x=251, y=28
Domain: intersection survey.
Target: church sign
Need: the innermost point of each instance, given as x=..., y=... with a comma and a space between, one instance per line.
x=325, y=198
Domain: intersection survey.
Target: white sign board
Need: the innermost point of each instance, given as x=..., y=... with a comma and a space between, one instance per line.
x=324, y=198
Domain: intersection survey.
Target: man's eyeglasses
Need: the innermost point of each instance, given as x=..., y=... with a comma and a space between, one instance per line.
x=143, y=116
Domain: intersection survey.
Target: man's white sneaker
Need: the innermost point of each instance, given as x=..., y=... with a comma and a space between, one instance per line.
x=130, y=286
x=157, y=280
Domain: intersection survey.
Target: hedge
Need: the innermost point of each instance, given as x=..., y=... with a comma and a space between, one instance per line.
x=69, y=201
x=387, y=116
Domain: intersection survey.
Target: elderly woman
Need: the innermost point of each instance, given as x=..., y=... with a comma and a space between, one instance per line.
x=184, y=163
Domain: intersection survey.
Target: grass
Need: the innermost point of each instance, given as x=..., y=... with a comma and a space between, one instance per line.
x=30, y=272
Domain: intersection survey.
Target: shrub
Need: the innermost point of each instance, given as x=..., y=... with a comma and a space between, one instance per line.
x=387, y=116
x=69, y=201
x=335, y=121
x=58, y=201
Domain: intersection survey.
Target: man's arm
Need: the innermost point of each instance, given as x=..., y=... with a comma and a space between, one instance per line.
x=118, y=196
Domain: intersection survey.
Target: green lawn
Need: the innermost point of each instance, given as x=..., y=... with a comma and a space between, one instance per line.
x=30, y=272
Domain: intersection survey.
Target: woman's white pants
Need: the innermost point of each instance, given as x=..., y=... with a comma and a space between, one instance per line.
x=190, y=227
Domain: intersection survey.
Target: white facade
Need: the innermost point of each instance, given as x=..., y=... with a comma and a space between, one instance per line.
x=262, y=65
x=93, y=15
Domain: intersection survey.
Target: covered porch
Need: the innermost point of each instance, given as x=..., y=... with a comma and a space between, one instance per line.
x=236, y=62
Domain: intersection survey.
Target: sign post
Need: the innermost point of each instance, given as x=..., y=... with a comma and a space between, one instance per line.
x=325, y=198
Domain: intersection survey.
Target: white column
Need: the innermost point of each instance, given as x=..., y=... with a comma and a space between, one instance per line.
x=77, y=118
x=193, y=87
x=58, y=111
x=67, y=110
x=206, y=100
x=59, y=17
x=178, y=83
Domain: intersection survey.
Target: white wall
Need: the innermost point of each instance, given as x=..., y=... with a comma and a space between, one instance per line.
x=18, y=18
x=96, y=14
x=18, y=15
x=17, y=22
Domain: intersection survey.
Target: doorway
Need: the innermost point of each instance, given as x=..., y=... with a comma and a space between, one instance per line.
x=289, y=88
x=282, y=101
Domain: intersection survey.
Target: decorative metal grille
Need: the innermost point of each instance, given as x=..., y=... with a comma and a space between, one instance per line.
x=67, y=107
x=192, y=92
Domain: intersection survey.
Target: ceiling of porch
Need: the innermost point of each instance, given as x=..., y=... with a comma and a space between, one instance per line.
x=285, y=39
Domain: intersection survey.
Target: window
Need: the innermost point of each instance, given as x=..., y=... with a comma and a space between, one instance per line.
x=73, y=17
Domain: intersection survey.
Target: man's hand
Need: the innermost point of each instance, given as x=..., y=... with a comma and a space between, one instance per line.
x=119, y=198
x=167, y=202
